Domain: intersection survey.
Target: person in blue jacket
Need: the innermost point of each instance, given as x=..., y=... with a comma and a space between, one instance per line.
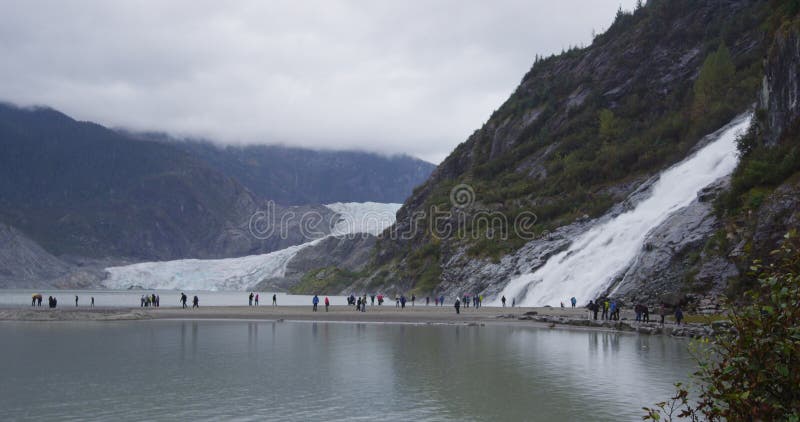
x=315, y=301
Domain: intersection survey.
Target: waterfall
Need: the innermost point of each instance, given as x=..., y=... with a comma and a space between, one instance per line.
x=595, y=258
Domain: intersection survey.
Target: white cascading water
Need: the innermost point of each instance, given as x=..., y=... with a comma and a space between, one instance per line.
x=595, y=258
x=245, y=272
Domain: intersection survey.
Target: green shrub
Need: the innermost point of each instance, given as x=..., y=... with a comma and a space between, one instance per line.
x=328, y=280
x=753, y=373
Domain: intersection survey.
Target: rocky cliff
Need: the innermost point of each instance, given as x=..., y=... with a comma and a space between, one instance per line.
x=24, y=264
x=581, y=135
x=764, y=202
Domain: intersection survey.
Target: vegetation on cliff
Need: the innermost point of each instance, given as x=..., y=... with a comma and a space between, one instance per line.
x=586, y=126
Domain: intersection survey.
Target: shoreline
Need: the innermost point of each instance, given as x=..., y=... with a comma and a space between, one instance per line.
x=567, y=318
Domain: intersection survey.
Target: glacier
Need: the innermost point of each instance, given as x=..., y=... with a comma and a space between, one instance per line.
x=242, y=273
x=594, y=259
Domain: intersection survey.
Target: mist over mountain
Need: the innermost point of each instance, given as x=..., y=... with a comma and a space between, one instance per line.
x=85, y=192
x=296, y=176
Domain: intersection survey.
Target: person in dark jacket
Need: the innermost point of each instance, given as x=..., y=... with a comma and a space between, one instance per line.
x=678, y=315
x=593, y=307
x=457, y=306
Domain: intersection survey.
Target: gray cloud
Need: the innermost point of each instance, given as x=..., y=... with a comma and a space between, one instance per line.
x=403, y=77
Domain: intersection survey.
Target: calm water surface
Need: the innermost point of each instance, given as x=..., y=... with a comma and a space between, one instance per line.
x=242, y=370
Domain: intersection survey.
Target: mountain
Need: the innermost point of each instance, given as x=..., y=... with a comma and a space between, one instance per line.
x=79, y=189
x=79, y=195
x=297, y=176
x=584, y=140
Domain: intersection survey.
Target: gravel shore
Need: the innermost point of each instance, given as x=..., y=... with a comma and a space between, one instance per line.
x=389, y=314
x=568, y=318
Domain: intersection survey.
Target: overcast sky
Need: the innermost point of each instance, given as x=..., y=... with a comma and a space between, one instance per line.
x=414, y=77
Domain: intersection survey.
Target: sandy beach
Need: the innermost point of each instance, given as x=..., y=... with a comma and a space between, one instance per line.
x=419, y=314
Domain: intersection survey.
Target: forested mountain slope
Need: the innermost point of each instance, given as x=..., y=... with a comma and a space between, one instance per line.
x=581, y=133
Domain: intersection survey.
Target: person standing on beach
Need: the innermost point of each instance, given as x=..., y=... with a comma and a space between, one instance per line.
x=663, y=312
x=256, y=299
x=678, y=314
x=427, y=300
x=250, y=299
x=413, y=299
x=327, y=303
x=274, y=299
x=371, y=300
x=605, y=309
x=315, y=302
x=457, y=305
x=594, y=307
x=573, y=301
x=182, y=300
x=503, y=299
x=195, y=302
x=92, y=305
x=402, y=301
x=513, y=301
x=76, y=301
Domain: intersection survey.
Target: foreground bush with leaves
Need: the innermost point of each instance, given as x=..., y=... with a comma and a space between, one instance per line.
x=752, y=374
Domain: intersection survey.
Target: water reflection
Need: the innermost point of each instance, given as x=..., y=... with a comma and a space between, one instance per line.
x=330, y=371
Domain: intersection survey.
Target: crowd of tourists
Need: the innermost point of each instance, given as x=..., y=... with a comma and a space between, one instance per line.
x=151, y=300
x=609, y=309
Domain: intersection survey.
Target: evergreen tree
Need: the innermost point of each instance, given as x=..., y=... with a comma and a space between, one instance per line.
x=710, y=88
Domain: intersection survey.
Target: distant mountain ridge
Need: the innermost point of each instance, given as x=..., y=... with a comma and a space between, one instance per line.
x=297, y=176
x=80, y=190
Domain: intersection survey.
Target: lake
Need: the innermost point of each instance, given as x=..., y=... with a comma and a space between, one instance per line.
x=247, y=370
